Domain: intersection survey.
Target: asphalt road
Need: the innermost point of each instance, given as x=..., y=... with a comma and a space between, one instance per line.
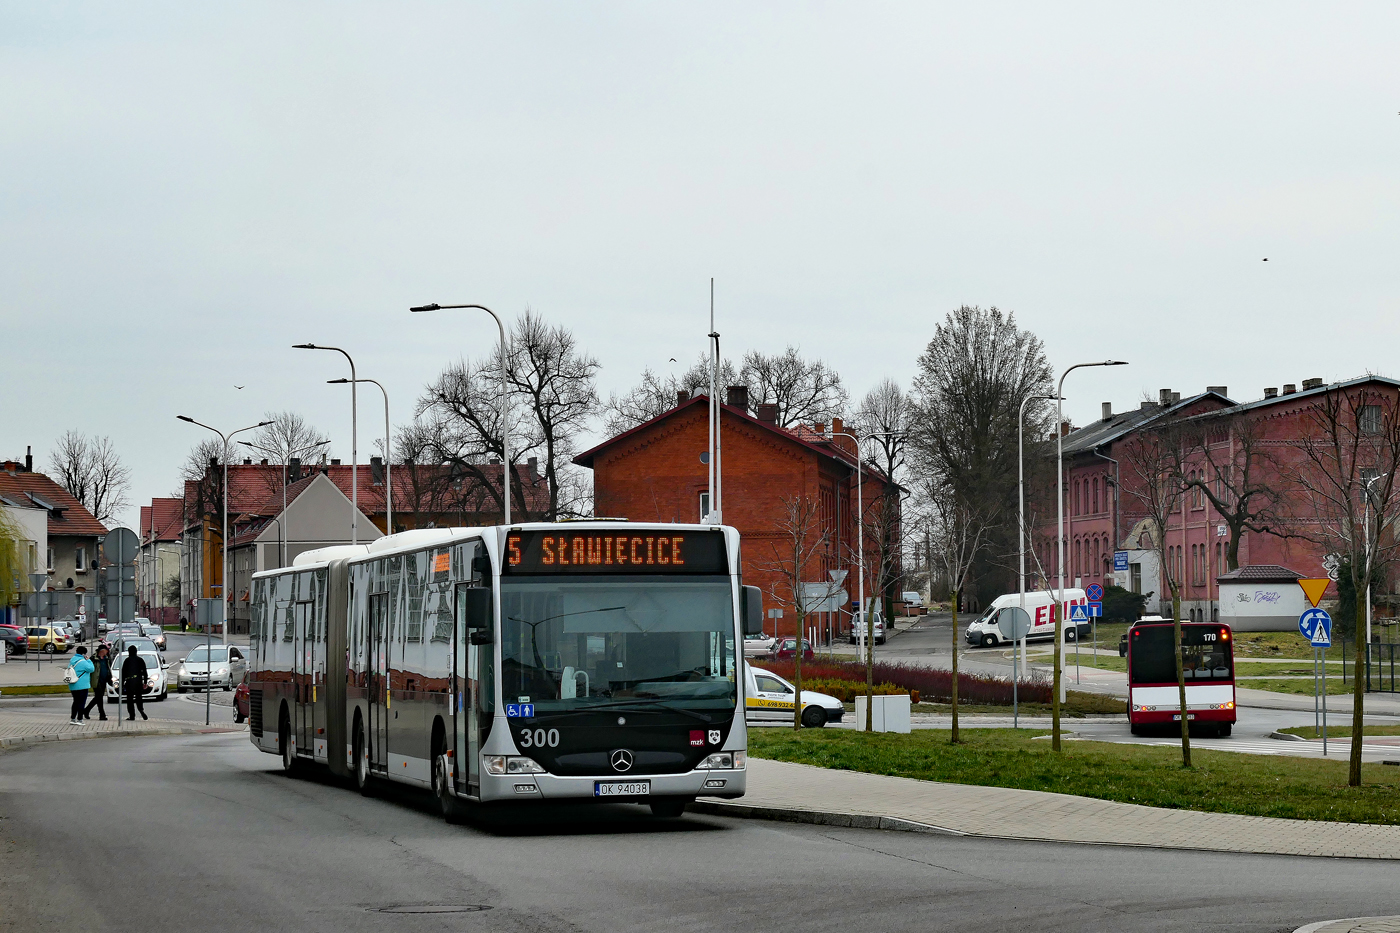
x=201, y=832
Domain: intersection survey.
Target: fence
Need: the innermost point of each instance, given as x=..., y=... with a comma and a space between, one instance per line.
x=1381, y=658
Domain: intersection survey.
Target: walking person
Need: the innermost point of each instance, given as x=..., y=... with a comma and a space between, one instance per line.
x=134, y=684
x=101, y=678
x=77, y=675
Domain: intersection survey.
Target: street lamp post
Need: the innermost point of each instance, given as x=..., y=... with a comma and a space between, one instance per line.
x=1021, y=521
x=505, y=407
x=1058, y=697
x=354, y=442
x=224, y=588
x=388, y=479
x=281, y=528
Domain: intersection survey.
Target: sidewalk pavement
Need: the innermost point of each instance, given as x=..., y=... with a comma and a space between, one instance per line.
x=16, y=673
x=807, y=794
x=1354, y=925
x=27, y=726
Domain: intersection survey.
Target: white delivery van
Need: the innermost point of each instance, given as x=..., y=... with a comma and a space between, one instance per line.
x=1039, y=606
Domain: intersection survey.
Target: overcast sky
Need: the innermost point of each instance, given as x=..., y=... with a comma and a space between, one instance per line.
x=188, y=189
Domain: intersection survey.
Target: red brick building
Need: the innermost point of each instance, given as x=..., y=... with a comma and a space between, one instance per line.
x=655, y=473
x=1103, y=515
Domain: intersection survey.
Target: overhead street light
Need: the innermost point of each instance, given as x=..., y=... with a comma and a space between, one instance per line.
x=354, y=442
x=388, y=484
x=224, y=588
x=1058, y=697
x=1021, y=525
x=505, y=405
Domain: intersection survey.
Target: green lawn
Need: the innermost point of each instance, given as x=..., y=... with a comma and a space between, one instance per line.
x=1279, y=645
x=1221, y=782
x=1341, y=732
x=1077, y=704
x=1302, y=686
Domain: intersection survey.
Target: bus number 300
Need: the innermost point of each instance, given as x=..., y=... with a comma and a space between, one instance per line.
x=539, y=738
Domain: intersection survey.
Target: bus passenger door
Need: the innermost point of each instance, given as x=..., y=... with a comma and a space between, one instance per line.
x=303, y=639
x=378, y=677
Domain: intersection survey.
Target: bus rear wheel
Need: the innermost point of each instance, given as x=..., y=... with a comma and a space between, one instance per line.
x=361, y=753
x=285, y=746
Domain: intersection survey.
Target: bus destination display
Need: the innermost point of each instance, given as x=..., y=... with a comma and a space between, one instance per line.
x=650, y=551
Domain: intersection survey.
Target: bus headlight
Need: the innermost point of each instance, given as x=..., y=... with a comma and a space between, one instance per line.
x=724, y=761
x=511, y=764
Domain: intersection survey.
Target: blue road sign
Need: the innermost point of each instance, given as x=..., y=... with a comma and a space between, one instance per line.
x=1078, y=614
x=1096, y=610
x=1316, y=626
x=1120, y=560
x=1094, y=592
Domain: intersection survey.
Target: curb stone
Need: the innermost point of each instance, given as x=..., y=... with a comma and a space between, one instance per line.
x=1353, y=925
x=1286, y=737
x=818, y=818
x=23, y=741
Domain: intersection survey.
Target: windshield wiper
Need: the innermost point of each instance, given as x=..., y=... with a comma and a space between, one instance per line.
x=644, y=702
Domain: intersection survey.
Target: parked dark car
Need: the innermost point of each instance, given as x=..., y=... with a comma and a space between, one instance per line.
x=785, y=648
x=16, y=642
x=240, y=701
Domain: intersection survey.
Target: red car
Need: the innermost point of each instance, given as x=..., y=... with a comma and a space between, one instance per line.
x=240, y=701
x=785, y=648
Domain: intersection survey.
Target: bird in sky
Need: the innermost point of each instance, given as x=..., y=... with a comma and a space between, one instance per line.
x=1266, y=258
x=673, y=359
x=238, y=387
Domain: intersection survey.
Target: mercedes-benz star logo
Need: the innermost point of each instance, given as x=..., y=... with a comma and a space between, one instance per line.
x=621, y=760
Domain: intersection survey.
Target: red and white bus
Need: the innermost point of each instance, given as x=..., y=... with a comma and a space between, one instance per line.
x=1207, y=665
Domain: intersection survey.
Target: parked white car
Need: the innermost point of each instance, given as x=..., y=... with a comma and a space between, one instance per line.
x=769, y=698
x=219, y=666
x=912, y=599
x=858, y=629
x=157, y=683
x=758, y=646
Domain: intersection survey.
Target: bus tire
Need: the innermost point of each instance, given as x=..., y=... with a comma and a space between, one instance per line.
x=814, y=717
x=284, y=744
x=454, y=811
x=1224, y=730
x=668, y=808
x=1135, y=729
x=360, y=750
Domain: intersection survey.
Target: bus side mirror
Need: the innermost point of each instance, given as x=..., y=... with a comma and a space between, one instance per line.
x=476, y=614
x=752, y=606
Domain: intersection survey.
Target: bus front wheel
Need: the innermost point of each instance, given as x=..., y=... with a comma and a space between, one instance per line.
x=668, y=808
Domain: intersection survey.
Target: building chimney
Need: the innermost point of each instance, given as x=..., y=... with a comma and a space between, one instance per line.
x=1311, y=384
x=1219, y=390
x=682, y=396
x=837, y=426
x=335, y=461
x=767, y=412
x=1289, y=388
x=1147, y=405
x=1164, y=397
x=737, y=397
x=1107, y=410
x=293, y=470
x=532, y=467
x=1064, y=428
x=376, y=471
x=29, y=459
x=1176, y=397
x=213, y=461
x=262, y=462
x=1271, y=392
x=819, y=427
x=247, y=461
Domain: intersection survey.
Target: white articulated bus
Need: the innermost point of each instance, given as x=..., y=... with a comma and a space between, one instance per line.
x=545, y=662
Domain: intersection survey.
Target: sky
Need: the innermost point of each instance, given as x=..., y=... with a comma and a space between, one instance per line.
x=186, y=190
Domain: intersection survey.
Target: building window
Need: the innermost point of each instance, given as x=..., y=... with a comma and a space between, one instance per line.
x=50, y=560
x=1135, y=577
x=1219, y=563
x=704, y=505
x=81, y=559
x=33, y=557
x=1370, y=419
x=1076, y=498
x=1096, y=553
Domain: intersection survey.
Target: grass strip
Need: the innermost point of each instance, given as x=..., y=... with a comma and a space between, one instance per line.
x=1303, y=686
x=21, y=690
x=1341, y=732
x=1221, y=782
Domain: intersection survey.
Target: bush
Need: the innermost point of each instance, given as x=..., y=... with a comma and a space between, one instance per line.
x=847, y=690
x=1120, y=605
x=934, y=686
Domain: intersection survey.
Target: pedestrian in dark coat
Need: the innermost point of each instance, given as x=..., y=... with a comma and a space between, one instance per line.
x=134, y=676
x=101, y=678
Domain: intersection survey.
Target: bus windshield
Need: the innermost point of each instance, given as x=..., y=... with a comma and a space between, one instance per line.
x=570, y=643
x=1205, y=654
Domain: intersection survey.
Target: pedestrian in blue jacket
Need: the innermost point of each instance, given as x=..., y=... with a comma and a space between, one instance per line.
x=82, y=667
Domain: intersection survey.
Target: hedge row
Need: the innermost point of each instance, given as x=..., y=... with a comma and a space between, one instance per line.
x=933, y=685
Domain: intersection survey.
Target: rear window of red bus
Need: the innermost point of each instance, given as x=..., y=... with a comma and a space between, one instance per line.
x=1206, y=654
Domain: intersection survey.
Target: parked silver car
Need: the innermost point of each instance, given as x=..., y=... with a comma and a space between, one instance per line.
x=211, y=666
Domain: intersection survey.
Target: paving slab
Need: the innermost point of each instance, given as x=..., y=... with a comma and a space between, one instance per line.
x=805, y=793
x=29, y=727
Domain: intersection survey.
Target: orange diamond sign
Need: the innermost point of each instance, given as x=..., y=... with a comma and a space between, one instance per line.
x=1314, y=589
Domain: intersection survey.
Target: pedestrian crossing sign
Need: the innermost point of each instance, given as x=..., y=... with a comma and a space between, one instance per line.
x=1079, y=614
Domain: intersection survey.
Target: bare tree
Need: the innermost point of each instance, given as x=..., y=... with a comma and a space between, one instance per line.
x=201, y=467
x=289, y=435
x=1350, y=447
x=966, y=400
x=958, y=534
x=92, y=472
x=804, y=390
x=550, y=385
x=798, y=544
x=1240, y=480
x=1153, y=460
x=883, y=419
x=655, y=395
